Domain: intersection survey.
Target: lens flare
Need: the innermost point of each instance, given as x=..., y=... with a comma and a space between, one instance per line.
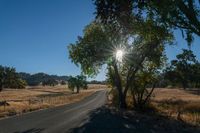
x=119, y=55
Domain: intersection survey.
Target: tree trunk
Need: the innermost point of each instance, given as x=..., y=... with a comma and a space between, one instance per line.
x=184, y=84
x=150, y=93
x=1, y=87
x=77, y=91
x=122, y=103
x=122, y=97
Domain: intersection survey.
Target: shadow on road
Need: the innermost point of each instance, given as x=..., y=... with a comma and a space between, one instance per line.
x=105, y=120
x=34, y=130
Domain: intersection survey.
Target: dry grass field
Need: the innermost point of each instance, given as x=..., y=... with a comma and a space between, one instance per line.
x=34, y=98
x=179, y=104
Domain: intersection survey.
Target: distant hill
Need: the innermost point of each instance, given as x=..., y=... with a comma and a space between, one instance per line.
x=36, y=79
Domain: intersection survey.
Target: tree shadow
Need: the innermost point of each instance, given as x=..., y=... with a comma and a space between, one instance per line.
x=33, y=130
x=105, y=120
x=54, y=94
x=195, y=91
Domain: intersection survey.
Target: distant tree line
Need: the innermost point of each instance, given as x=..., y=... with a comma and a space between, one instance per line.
x=96, y=82
x=10, y=79
x=50, y=82
x=42, y=78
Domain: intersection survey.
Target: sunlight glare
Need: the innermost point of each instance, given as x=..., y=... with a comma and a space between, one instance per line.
x=119, y=55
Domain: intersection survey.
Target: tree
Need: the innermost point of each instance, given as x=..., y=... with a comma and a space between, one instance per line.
x=100, y=42
x=77, y=82
x=1, y=77
x=195, y=75
x=183, y=69
x=20, y=84
x=10, y=79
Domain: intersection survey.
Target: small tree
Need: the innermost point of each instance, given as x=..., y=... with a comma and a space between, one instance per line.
x=195, y=75
x=21, y=84
x=77, y=82
x=1, y=77
x=10, y=79
x=182, y=69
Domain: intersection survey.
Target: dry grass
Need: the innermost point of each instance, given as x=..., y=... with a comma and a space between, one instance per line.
x=165, y=94
x=30, y=99
x=96, y=87
x=177, y=103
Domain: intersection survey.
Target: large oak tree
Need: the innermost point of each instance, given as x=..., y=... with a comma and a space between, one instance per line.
x=143, y=50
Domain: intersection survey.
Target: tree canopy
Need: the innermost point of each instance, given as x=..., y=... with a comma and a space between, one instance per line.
x=143, y=55
x=175, y=14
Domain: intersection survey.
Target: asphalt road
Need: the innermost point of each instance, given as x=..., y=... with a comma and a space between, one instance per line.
x=54, y=120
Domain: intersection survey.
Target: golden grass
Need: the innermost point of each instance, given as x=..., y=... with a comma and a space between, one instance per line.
x=179, y=104
x=96, y=87
x=165, y=94
x=39, y=97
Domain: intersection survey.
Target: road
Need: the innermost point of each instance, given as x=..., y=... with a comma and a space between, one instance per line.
x=54, y=120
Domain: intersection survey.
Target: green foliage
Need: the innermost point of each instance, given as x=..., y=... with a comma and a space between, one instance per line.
x=10, y=79
x=88, y=50
x=116, y=24
x=184, y=70
x=77, y=82
x=20, y=84
x=181, y=14
x=143, y=86
x=71, y=83
x=195, y=76
x=143, y=57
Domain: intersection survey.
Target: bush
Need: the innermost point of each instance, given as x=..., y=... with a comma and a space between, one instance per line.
x=21, y=84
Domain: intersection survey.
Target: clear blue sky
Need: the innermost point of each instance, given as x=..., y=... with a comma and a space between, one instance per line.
x=34, y=34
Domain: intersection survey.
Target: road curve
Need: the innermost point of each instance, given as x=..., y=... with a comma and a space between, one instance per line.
x=54, y=120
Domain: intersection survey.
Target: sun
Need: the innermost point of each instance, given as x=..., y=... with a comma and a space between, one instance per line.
x=119, y=55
